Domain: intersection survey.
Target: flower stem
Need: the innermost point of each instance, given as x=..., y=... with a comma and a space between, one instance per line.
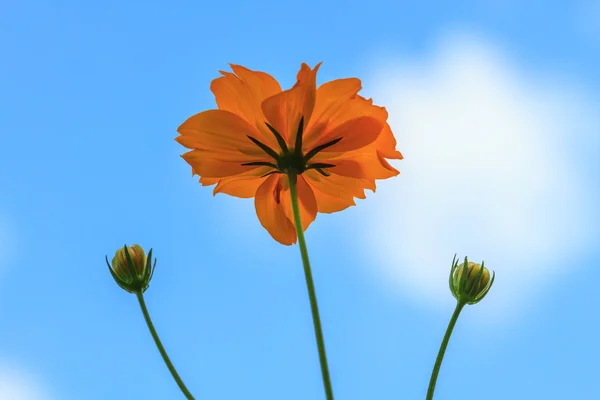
x=160, y=347
x=311, y=289
x=440, y=356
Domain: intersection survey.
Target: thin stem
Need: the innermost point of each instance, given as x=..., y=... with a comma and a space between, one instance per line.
x=440, y=356
x=161, y=349
x=311, y=289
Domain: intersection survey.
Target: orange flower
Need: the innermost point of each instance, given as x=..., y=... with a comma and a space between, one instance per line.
x=335, y=141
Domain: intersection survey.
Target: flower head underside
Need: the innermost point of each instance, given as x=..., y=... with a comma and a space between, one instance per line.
x=335, y=141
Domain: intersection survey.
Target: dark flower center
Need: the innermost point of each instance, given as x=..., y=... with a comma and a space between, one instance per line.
x=291, y=161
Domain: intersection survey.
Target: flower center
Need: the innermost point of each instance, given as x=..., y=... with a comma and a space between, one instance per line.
x=288, y=161
x=291, y=161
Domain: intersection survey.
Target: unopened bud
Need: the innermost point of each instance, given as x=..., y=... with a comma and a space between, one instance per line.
x=469, y=281
x=131, y=269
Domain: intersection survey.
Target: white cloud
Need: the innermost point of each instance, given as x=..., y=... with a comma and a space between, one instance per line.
x=14, y=385
x=491, y=171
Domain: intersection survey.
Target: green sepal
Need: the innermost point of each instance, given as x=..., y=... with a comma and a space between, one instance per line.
x=259, y=164
x=463, y=276
x=271, y=173
x=279, y=138
x=265, y=148
x=148, y=271
x=124, y=285
x=320, y=165
x=476, y=283
x=132, y=270
x=299, y=133
x=451, y=277
x=317, y=149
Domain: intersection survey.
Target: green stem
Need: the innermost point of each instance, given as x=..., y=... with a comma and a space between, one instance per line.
x=440, y=356
x=311, y=289
x=161, y=349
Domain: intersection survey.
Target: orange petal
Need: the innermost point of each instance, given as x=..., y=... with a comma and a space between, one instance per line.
x=336, y=185
x=333, y=193
x=336, y=193
x=386, y=144
x=206, y=164
x=242, y=93
x=284, y=110
x=355, y=133
x=243, y=185
x=324, y=131
x=368, y=184
x=365, y=164
x=385, y=164
x=219, y=130
x=244, y=188
x=329, y=204
x=207, y=181
x=270, y=212
x=258, y=85
x=306, y=201
x=331, y=98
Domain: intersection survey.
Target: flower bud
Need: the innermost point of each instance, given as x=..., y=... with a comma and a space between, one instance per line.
x=470, y=284
x=131, y=269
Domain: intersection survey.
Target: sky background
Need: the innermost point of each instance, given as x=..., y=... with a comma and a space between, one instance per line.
x=495, y=106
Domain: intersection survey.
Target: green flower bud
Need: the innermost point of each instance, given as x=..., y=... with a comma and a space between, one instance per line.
x=470, y=284
x=131, y=269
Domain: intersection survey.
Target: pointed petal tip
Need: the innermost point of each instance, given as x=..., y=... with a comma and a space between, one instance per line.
x=233, y=66
x=304, y=66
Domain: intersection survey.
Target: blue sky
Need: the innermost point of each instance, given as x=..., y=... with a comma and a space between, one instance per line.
x=91, y=95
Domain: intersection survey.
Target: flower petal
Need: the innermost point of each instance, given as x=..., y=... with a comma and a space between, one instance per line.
x=207, y=163
x=365, y=163
x=242, y=93
x=326, y=130
x=328, y=204
x=336, y=185
x=270, y=211
x=355, y=133
x=330, y=195
x=336, y=193
x=244, y=188
x=331, y=98
x=386, y=144
x=284, y=110
x=219, y=131
x=258, y=85
x=357, y=169
x=385, y=164
x=207, y=181
x=243, y=185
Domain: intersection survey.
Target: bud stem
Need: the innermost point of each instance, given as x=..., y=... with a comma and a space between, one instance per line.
x=440, y=356
x=311, y=288
x=160, y=347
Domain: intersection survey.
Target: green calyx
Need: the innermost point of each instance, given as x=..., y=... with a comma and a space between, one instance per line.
x=291, y=161
x=132, y=274
x=470, y=282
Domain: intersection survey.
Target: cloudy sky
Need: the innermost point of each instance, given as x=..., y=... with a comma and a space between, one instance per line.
x=495, y=106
